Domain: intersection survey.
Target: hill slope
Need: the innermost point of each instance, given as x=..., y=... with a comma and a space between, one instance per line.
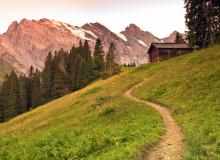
x=189, y=86
x=98, y=122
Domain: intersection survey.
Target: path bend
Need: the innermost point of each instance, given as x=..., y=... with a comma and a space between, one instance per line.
x=171, y=144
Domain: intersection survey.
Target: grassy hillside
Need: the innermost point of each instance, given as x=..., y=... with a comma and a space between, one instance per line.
x=4, y=69
x=98, y=122
x=190, y=87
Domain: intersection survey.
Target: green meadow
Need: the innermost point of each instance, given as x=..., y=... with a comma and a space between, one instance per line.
x=190, y=87
x=99, y=122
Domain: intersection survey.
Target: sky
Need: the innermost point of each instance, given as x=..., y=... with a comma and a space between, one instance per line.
x=160, y=17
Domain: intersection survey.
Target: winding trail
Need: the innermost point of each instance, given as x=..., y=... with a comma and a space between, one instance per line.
x=171, y=145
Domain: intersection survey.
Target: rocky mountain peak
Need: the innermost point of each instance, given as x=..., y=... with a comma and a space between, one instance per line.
x=171, y=38
x=12, y=27
x=44, y=20
x=24, y=20
x=28, y=42
x=96, y=27
x=133, y=27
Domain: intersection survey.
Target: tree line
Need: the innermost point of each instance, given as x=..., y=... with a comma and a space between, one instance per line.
x=130, y=64
x=203, y=22
x=64, y=72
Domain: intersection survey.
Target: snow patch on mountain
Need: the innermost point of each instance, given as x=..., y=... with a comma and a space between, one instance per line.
x=90, y=32
x=142, y=43
x=122, y=36
x=56, y=23
x=79, y=32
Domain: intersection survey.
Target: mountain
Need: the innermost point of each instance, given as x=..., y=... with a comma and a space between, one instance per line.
x=28, y=42
x=171, y=38
x=132, y=43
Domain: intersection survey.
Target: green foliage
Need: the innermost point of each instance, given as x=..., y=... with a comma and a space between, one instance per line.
x=22, y=95
x=217, y=40
x=103, y=100
x=47, y=76
x=99, y=62
x=36, y=97
x=64, y=72
x=9, y=97
x=108, y=111
x=202, y=20
x=111, y=61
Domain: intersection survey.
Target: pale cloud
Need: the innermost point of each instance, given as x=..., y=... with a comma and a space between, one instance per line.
x=157, y=16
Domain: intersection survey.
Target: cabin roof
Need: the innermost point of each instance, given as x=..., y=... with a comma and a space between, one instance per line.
x=169, y=46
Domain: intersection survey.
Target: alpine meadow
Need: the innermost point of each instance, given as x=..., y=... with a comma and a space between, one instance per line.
x=93, y=91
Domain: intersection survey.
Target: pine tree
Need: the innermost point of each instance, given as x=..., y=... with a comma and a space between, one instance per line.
x=179, y=38
x=61, y=78
x=87, y=66
x=71, y=67
x=14, y=93
x=36, y=97
x=80, y=66
x=98, y=57
x=133, y=64
x=22, y=95
x=1, y=106
x=29, y=87
x=10, y=97
x=60, y=86
x=216, y=19
x=190, y=6
x=112, y=60
x=78, y=78
x=47, y=79
x=202, y=20
x=62, y=73
x=6, y=110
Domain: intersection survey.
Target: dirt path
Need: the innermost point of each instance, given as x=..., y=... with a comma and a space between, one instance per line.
x=171, y=145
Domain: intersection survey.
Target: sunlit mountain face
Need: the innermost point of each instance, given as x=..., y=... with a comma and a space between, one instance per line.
x=115, y=14
x=28, y=42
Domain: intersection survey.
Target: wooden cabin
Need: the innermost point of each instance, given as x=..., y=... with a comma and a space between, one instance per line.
x=164, y=51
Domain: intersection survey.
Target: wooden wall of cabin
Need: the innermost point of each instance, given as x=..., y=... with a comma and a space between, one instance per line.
x=167, y=54
x=154, y=56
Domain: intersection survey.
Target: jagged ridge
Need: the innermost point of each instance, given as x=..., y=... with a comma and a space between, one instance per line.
x=28, y=42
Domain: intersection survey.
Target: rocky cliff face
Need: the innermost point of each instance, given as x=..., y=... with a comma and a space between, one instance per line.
x=138, y=42
x=28, y=42
x=132, y=43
